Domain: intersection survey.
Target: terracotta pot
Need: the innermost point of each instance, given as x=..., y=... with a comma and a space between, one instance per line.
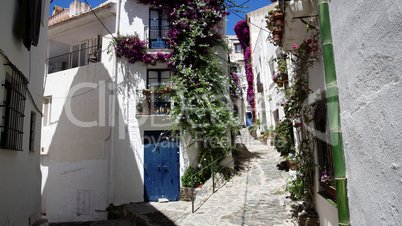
x=277, y=35
x=167, y=91
x=285, y=80
x=146, y=92
x=331, y=191
x=292, y=165
x=278, y=19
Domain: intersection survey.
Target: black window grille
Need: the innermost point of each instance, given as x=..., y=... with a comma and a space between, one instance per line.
x=323, y=142
x=12, y=108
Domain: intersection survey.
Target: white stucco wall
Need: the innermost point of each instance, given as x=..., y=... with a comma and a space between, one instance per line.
x=101, y=164
x=19, y=170
x=368, y=65
x=75, y=153
x=263, y=53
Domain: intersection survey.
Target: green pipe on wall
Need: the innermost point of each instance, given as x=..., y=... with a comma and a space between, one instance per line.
x=333, y=112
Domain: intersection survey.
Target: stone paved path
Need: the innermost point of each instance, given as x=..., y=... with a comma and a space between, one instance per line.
x=256, y=196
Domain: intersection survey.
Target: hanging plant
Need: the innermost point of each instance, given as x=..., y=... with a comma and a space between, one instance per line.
x=134, y=49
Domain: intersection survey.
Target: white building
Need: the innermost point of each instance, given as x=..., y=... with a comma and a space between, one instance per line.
x=237, y=57
x=99, y=125
x=369, y=86
x=21, y=93
x=263, y=53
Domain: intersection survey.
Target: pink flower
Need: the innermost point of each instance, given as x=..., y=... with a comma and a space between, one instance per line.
x=294, y=46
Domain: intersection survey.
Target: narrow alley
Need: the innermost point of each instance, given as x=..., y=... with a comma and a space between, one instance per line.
x=254, y=196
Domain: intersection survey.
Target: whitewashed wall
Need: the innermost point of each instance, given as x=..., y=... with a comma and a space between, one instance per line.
x=263, y=53
x=368, y=66
x=19, y=170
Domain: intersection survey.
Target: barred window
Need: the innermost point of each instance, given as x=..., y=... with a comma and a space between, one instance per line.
x=12, y=110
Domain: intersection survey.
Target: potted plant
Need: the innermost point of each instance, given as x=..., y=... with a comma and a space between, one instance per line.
x=146, y=92
x=329, y=184
x=277, y=34
x=277, y=18
x=274, y=18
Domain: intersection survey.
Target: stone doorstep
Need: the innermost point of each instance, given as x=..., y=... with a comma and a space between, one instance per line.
x=41, y=222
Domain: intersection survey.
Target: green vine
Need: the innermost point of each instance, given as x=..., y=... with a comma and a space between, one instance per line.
x=298, y=110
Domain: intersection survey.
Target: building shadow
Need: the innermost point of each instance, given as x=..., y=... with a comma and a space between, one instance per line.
x=81, y=176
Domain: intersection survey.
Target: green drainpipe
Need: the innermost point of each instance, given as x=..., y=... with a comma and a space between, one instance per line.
x=333, y=112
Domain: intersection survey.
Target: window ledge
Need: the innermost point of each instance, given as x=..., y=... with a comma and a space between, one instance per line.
x=326, y=197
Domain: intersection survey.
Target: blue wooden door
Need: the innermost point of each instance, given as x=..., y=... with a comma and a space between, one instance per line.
x=161, y=166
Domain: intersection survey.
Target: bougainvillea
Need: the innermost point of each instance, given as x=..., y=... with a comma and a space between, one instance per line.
x=200, y=79
x=242, y=32
x=134, y=49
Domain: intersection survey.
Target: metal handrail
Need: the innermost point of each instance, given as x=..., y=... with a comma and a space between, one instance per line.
x=213, y=179
x=65, y=61
x=96, y=46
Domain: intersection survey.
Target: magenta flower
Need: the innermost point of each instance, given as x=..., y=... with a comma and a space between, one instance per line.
x=294, y=46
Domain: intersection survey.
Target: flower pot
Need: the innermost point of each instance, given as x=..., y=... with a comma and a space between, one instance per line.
x=285, y=80
x=277, y=35
x=278, y=19
x=292, y=165
x=166, y=91
x=331, y=191
x=273, y=0
x=146, y=92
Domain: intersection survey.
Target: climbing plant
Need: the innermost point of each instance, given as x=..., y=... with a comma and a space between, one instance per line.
x=242, y=31
x=300, y=111
x=201, y=82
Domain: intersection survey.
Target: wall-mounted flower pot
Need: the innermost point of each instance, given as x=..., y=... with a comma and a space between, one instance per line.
x=277, y=35
x=331, y=191
x=278, y=19
x=146, y=92
x=285, y=80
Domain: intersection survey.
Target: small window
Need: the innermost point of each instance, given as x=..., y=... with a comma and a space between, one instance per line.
x=12, y=110
x=47, y=109
x=157, y=78
x=238, y=48
x=32, y=132
x=158, y=29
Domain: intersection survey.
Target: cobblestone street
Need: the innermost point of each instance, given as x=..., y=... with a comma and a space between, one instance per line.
x=256, y=196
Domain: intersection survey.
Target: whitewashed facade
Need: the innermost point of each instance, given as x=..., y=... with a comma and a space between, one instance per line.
x=93, y=139
x=268, y=111
x=21, y=93
x=369, y=83
x=237, y=57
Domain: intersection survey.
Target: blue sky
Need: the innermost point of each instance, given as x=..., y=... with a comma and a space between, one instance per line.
x=232, y=18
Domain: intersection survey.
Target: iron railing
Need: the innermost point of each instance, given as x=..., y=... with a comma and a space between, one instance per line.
x=157, y=37
x=154, y=102
x=212, y=164
x=74, y=59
